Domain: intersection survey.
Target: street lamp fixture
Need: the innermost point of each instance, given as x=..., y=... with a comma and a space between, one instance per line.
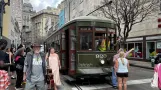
x=2, y=11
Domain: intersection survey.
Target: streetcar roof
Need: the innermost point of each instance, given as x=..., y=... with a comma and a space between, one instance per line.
x=89, y=18
x=86, y=18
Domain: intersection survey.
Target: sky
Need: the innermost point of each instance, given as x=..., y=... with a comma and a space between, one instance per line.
x=42, y=4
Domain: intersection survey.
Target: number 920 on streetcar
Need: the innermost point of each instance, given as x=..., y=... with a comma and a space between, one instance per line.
x=86, y=46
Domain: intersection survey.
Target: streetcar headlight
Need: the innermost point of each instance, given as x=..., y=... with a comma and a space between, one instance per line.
x=102, y=61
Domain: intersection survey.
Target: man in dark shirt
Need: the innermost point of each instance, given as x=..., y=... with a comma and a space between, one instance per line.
x=3, y=44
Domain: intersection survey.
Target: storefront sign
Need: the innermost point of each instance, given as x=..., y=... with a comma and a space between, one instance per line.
x=134, y=39
x=154, y=37
x=158, y=45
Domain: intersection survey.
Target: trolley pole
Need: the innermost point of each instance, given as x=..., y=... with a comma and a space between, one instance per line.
x=2, y=11
x=100, y=7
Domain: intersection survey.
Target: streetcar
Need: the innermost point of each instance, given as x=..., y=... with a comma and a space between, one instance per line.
x=86, y=46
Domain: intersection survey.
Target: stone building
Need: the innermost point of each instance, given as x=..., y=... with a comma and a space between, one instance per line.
x=27, y=26
x=39, y=31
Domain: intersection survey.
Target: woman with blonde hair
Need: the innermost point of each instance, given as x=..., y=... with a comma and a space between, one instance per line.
x=121, y=70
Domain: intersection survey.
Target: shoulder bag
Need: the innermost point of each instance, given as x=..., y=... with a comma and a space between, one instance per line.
x=154, y=81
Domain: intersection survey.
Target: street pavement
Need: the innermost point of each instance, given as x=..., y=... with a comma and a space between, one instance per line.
x=141, y=64
x=139, y=79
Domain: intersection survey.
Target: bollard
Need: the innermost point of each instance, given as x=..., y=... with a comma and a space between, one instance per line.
x=152, y=62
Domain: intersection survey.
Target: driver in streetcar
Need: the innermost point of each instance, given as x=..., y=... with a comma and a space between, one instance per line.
x=102, y=44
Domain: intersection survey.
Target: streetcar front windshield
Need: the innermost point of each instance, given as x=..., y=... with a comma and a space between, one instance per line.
x=86, y=41
x=98, y=39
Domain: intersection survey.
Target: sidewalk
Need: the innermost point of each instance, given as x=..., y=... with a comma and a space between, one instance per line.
x=141, y=64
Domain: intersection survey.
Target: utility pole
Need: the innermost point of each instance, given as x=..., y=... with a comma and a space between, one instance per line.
x=100, y=7
x=2, y=11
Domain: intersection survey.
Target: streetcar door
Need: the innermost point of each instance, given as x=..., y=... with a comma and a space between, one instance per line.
x=67, y=49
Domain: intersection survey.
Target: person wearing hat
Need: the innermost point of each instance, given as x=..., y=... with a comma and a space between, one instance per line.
x=35, y=69
x=114, y=77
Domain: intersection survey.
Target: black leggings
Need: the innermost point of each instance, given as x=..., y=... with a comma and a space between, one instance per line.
x=19, y=78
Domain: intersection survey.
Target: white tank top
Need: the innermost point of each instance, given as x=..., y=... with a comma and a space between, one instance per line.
x=122, y=68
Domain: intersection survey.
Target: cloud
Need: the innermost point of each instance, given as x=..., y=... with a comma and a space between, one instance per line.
x=42, y=4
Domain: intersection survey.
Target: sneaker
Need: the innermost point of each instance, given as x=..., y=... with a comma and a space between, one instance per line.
x=12, y=77
x=115, y=87
x=18, y=88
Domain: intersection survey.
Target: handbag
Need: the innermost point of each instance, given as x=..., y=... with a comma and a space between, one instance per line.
x=154, y=82
x=18, y=66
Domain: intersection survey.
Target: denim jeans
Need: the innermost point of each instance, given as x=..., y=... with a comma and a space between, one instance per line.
x=114, y=77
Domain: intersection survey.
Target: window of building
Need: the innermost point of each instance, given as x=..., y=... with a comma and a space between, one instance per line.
x=151, y=50
x=138, y=50
x=130, y=46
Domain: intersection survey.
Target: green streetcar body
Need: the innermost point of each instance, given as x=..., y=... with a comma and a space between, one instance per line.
x=78, y=61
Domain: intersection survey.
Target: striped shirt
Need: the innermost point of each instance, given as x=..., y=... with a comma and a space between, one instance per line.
x=4, y=80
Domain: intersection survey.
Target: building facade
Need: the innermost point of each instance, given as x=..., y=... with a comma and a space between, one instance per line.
x=5, y=24
x=16, y=22
x=77, y=8
x=145, y=37
x=39, y=31
x=27, y=26
x=12, y=23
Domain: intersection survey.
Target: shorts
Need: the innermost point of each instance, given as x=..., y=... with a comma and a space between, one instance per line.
x=122, y=74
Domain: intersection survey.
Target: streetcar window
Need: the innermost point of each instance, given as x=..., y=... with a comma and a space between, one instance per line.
x=111, y=41
x=100, y=41
x=86, y=41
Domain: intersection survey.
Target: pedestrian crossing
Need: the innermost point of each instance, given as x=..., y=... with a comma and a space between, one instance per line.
x=140, y=81
x=103, y=86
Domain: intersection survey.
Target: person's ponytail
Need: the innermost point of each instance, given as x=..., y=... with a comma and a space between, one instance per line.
x=122, y=57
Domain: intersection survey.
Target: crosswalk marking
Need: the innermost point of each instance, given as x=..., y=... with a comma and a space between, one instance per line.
x=129, y=82
x=140, y=81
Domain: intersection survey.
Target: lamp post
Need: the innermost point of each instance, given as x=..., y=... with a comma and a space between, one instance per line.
x=2, y=10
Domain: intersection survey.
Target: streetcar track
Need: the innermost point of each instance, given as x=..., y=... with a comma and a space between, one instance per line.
x=78, y=87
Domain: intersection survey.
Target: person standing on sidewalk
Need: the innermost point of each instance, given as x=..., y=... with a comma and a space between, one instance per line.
x=13, y=69
x=19, y=62
x=114, y=78
x=4, y=77
x=35, y=69
x=157, y=69
x=54, y=64
x=121, y=70
x=9, y=59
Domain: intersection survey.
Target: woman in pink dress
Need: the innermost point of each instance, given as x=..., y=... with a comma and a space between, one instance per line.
x=54, y=64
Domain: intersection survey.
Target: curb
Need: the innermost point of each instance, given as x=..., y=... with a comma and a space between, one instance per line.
x=142, y=66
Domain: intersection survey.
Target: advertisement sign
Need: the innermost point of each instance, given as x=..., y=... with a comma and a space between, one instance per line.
x=61, y=18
